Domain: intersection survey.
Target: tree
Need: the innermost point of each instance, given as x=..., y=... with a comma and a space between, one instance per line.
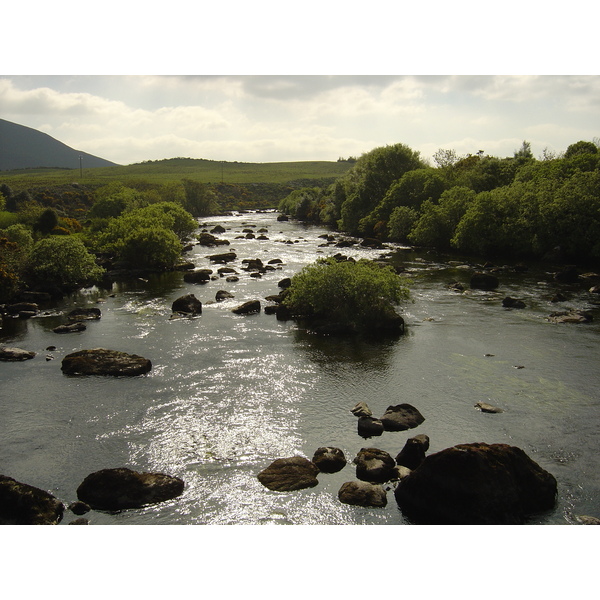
x=151, y=247
x=62, y=261
x=581, y=147
x=359, y=294
x=200, y=201
x=46, y=222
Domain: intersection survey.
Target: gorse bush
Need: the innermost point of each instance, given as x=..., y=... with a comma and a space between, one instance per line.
x=358, y=294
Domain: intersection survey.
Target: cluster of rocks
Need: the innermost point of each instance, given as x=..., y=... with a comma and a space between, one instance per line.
x=395, y=418
x=105, y=490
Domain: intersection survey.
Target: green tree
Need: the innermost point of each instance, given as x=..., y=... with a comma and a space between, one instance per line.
x=151, y=247
x=581, y=147
x=402, y=220
x=359, y=294
x=62, y=261
x=15, y=245
x=200, y=200
x=46, y=222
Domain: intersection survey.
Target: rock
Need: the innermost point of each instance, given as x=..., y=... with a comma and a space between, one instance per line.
x=223, y=295
x=401, y=417
x=9, y=354
x=362, y=493
x=361, y=410
x=413, y=453
x=374, y=465
x=509, y=302
x=207, y=239
x=79, y=522
x=84, y=314
x=79, y=508
x=568, y=274
x=478, y=483
x=118, y=489
x=329, y=460
x=248, y=308
x=285, y=283
x=253, y=264
x=223, y=258
x=595, y=289
x=23, y=504
x=100, y=361
x=587, y=520
x=283, y=218
x=372, y=243
x=369, y=427
x=226, y=271
x=19, y=307
x=188, y=305
x=570, y=316
x=199, y=276
x=484, y=281
x=488, y=408
x=73, y=327
x=218, y=229
x=289, y=474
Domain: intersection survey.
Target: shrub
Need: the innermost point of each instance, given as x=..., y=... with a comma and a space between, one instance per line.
x=357, y=294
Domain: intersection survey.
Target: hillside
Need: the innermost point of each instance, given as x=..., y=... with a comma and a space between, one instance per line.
x=26, y=148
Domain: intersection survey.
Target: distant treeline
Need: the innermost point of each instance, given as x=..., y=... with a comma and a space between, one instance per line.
x=517, y=206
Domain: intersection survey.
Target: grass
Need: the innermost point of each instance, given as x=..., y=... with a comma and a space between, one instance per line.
x=175, y=169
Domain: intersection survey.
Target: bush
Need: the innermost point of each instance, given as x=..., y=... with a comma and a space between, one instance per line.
x=360, y=294
x=63, y=261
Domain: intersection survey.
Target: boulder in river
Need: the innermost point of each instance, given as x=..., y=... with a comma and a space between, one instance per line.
x=374, y=465
x=118, y=489
x=362, y=493
x=23, y=307
x=100, y=361
x=483, y=484
x=361, y=409
x=187, y=305
x=247, y=308
x=10, y=354
x=84, y=314
x=223, y=295
x=289, y=474
x=369, y=427
x=329, y=460
x=413, y=453
x=401, y=417
x=23, y=504
x=509, y=302
x=484, y=281
x=198, y=276
x=570, y=316
x=70, y=328
x=488, y=408
x=225, y=257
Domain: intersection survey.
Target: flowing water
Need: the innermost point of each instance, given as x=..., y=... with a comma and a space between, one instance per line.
x=229, y=394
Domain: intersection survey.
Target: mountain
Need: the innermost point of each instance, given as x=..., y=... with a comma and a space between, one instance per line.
x=26, y=148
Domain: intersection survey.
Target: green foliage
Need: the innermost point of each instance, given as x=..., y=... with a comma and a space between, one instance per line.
x=62, y=261
x=46, y=222
x=15, y=245
x=7, y=219
x=105, y=208
x=303, y=204
x=151, y=247
x=359, y=294
x=369, y=179
x=200, y=200
x=581, y=147
x=401, y=222
x=438, y=221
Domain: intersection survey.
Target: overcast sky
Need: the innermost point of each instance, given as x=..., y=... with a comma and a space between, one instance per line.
x=259, y=117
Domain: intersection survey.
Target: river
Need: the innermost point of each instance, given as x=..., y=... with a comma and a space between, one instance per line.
x=229, y=394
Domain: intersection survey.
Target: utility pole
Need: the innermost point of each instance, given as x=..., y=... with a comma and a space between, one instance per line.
x=221, y=171
x=80, y=167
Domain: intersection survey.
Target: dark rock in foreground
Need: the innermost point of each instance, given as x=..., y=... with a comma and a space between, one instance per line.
x=118, y=489
x=413, y=453
x=22, y=504
x=187, y=305
x=289, y=474
x=362, y=493
x=15, y=354
x=100, y=361
x=483, y=484
x=329, y=460
x=369, y=427
x=401, y=417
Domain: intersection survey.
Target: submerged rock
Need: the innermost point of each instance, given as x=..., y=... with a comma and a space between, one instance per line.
x=329, y=460
x=478, y=483
x=9, y=354
x=289, y=474
x=570, y=316
x=71, y=328
x=84, y=314
x=23, y=504
x=509, y=302
x=101, y=361
x=488, y=408
x=362, y=493
x=401, y=417
x=118, y=489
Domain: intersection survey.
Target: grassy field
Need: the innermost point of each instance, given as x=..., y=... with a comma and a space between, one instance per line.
x=176, y=169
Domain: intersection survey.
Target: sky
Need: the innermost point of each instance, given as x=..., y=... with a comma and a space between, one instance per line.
x=255, y=82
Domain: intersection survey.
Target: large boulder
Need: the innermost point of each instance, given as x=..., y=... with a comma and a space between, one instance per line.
x=374, y=465
x=329, y=460
x=362, y=493
x=118, y=489
x=23, y=504
x=401, y=417
x=10, y=354
x=198, y=276
x=247, y=308
x=70, y=328
x=289, y=474
x=369, y=427
x=478, y=483
x=84, y=314
x=100, y=361
x=222, y=258
x=187, y=305
x=22, y=307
